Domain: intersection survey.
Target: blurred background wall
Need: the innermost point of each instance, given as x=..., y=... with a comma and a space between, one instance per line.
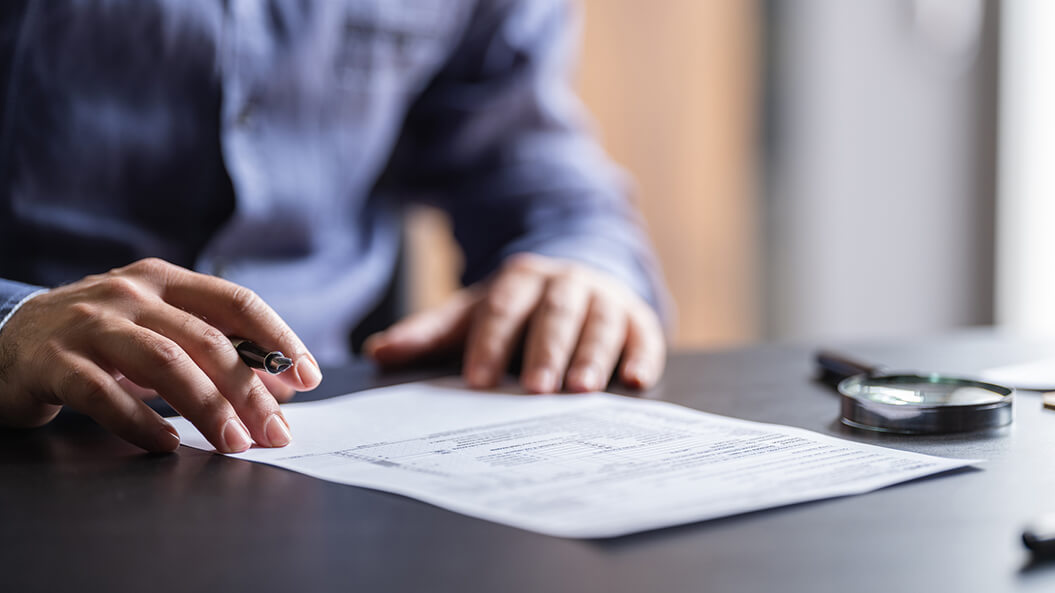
x=881, y=160
x=808, y=168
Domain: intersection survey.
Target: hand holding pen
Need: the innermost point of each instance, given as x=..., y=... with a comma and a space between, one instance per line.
x=96, y=344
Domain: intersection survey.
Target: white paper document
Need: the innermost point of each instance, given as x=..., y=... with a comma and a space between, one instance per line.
x=594, y=465
x=1035, y=374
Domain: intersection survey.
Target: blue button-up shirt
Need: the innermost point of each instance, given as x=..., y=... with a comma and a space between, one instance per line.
x=276, y=142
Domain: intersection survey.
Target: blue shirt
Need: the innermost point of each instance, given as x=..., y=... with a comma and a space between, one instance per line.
x=275, y=143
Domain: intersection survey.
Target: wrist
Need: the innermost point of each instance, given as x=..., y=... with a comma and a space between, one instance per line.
x=18, y=406
x=14, y=302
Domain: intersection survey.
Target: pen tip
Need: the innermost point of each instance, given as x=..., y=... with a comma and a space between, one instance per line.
x=279, y=364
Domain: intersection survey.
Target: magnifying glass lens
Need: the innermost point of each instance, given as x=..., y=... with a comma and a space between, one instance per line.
x=927, y=393
x=923, y=404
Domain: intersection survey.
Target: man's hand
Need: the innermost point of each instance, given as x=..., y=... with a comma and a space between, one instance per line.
x=576, y=326
x=151, y=327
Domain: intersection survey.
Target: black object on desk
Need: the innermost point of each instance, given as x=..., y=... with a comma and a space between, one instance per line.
x=913, y=403
x=1040, y=537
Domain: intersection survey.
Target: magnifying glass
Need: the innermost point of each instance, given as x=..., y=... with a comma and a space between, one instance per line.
x=912, y=403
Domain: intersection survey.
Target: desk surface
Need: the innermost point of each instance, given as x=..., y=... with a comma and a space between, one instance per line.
x=78, y=507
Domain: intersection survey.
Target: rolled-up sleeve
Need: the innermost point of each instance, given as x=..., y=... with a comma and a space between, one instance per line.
x=500, y=141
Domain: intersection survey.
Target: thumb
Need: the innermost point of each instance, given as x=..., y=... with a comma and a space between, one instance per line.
x=434, y=331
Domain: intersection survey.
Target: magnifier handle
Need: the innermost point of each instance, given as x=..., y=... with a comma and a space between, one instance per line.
x=835, y=367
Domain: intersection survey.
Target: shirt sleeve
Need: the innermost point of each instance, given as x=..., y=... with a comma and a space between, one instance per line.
x=500, y=141
x=12, y=296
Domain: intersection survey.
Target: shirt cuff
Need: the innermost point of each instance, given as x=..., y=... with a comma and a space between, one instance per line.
x=14, y=296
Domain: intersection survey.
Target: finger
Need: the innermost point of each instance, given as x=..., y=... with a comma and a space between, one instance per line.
x=430, y=332
x=552, y=333
x=236, y=311
x=645, y=352
x=278, y=388
x=498, y=320
x=134, y=390
x=87, y=388
x=213, y=353
x=603, y=336
x=156, y=362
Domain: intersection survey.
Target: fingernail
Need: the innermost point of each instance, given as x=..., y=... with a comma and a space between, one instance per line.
x=169, y=438
x=235, y=437
x=479, y=376
x=372, y=343
x=276, y=431
x=308, y=372
x=589, y=379
x=635, y=373
x=544, y=381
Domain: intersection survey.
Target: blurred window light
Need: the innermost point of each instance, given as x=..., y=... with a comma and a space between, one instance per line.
x=1026, y=212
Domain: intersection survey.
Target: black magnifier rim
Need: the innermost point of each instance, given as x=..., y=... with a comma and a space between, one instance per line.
x=929, y=418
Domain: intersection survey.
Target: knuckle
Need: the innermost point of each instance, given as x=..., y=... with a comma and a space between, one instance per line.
x=602, y=342
x=570, y=273
x=93, y=391
x=557, y=302
x=498, y=303
x=94, y=279
x=487, y=350
x=288, y=336
x=207, y=408
x=120, y=288
x=213, y=342
x=78, y=384
x=167, y=355
x=50, y=352
x=585, y=357
x=82, y=312
x=244, y=301
x=595, y=339
x=611, y=305
x=72, y=380
x=260, y=397
x=647, y=325
x=53, y=348
x=154, y=269
x=150, y=265
x=549, y=353
x=606, y=314
x=523, y=262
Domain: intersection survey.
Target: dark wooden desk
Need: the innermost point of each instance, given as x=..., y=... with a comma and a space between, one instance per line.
x=80, y=510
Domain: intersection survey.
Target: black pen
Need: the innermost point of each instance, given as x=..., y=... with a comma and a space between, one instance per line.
x=258, y=358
